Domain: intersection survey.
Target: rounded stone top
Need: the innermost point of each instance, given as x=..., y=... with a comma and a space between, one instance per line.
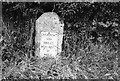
x=49, y=22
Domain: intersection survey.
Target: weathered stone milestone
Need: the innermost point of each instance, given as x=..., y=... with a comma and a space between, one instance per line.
x=49, y=35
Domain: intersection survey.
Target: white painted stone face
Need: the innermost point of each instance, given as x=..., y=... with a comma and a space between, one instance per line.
x=49, y=35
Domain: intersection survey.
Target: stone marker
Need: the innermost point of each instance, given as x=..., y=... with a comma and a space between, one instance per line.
x=49, y=35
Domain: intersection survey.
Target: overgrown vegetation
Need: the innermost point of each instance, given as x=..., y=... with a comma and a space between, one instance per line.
x=90, y=44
